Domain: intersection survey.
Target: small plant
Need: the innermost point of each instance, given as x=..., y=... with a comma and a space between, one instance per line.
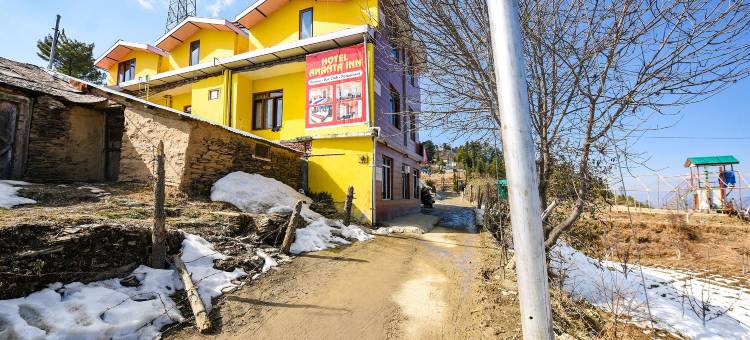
x=698, y=296
x=37, y=266
x=682, y=233
x=323, y=204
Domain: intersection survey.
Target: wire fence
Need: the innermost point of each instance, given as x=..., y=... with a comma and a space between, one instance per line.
x=707, y=192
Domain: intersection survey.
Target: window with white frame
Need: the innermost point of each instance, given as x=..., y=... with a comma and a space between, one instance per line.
x=405, y=182
x=387, y=183
x=213, y=94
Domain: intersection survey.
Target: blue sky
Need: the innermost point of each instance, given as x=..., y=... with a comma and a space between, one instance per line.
x=104, y=21
x=101, y=22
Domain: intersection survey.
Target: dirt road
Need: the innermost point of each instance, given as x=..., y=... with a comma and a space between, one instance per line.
x=443, y=284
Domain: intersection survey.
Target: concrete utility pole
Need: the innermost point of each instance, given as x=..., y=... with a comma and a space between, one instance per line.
x=54, y=43
x=523, y=192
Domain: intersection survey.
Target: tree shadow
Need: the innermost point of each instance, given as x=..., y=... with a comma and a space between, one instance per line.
x=258, y=302
x=333, y=258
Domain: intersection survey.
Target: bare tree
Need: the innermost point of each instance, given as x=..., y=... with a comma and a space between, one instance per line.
x=598, y=70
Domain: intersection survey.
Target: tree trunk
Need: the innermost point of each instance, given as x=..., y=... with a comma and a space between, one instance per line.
x=196, y=304
x=291, y=228
x=348, y=206
x=159, y=231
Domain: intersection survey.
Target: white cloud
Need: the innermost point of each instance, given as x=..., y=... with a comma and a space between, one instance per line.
x=217, y=6
x=147, y=4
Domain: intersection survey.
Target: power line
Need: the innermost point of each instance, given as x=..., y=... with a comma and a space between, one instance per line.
x=696, y=137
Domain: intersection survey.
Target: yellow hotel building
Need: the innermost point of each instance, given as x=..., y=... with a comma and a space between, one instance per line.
x=317, y=75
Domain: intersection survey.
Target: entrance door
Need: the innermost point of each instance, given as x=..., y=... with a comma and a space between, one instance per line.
x=8, y=120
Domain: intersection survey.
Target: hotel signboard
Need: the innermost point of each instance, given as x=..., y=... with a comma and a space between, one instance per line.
x=336, y=91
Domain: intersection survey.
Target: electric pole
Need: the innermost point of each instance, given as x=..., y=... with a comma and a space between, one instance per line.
x=54, y=43
x=523, y=191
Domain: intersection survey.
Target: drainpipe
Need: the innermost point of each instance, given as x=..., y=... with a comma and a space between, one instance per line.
x=376, y=131
x=375, y=138
x=228, y=97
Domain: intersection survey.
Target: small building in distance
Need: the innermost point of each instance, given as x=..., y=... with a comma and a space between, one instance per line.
x=712, y=180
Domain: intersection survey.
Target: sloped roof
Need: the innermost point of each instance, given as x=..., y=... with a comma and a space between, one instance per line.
x=711, y=160
x=34, y=78
x=107, y=93
x=260, y=9
x=323, y=42
x=190, y=25
x=120, y=49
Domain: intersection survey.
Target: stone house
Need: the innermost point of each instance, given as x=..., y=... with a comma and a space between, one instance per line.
x=51, y=131
x=57, y=128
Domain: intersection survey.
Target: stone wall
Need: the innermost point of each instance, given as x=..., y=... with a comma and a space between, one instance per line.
x=66, y=142
x=215, y=152
x=198, y=153
x=143, y=130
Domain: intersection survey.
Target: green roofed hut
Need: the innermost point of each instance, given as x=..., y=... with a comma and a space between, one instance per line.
x=712, y=180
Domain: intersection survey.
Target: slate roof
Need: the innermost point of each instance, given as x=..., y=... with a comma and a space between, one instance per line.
x=34, y=78
x=711, y=160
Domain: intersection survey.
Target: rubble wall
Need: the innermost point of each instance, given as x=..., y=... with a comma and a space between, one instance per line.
x=144, y=128
x=215, y=152
x=34, y=256
x=66, y=142
x=198, y=153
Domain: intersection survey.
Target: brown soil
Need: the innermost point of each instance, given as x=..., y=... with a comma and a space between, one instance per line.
x=442, y=284
x=710, y=243
x=87, y=232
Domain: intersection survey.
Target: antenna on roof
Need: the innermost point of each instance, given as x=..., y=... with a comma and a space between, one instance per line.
x=180, y=10
x=54, y=44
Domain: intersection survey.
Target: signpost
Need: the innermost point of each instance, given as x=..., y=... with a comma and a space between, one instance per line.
x=518, y=149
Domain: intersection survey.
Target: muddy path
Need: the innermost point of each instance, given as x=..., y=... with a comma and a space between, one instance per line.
x=400, y=286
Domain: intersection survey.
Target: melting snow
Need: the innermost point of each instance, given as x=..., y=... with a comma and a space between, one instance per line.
x=268, y=261
x=258, y=194
x=676, y=299
x=107, y=309
x=8, y=194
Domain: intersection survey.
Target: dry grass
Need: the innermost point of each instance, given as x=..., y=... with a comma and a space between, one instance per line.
x=74, y=204
x=712, y=244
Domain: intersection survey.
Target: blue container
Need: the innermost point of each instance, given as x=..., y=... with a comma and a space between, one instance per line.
x=728, y=178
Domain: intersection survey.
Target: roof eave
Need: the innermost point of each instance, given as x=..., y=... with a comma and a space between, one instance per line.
x=211, y=21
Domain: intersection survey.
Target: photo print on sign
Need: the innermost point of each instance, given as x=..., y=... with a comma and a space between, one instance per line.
x=320, y=114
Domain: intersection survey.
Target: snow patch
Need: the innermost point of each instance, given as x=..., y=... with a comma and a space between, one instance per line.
x=8, y=194
x=676, y=299
x=92, y=189
x=268, y=261
x=258, y=194
x=107, y=309
x=199, y=255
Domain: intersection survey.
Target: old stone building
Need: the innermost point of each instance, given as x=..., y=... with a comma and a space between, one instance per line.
x=56, y=128
x=51, y=131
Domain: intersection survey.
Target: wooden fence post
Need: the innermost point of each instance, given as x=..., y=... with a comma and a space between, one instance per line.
x=159, y=231
x=196, y=304
x=348, y=206
x=479, y=197
x=291, y=228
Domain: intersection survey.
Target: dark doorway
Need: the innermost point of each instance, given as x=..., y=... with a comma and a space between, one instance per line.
x=8, y=123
